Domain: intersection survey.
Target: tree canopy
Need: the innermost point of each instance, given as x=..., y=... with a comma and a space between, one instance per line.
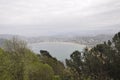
x=102, y=62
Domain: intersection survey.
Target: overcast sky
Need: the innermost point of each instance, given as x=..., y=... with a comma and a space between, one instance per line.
x=53, y=17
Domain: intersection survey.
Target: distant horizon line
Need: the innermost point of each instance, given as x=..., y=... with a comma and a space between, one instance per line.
x=61, y=35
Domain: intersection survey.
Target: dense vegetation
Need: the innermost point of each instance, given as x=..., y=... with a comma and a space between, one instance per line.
x=17, y=62
x=102, y=62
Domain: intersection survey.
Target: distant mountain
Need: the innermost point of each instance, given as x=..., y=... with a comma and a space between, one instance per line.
x=2, y=42
x=86, y=40
x=4, y=37
x=10, y=36
x=93, y=40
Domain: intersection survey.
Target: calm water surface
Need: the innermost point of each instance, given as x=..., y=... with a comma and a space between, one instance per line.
x=60, y=50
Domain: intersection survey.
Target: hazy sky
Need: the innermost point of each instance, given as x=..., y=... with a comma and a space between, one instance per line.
x=51, y=17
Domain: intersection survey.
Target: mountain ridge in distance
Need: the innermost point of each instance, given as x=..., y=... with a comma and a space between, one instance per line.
x=86, y=40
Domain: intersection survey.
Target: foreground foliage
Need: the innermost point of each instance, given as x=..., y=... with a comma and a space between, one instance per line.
x=102, y=62
x=17, y=62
